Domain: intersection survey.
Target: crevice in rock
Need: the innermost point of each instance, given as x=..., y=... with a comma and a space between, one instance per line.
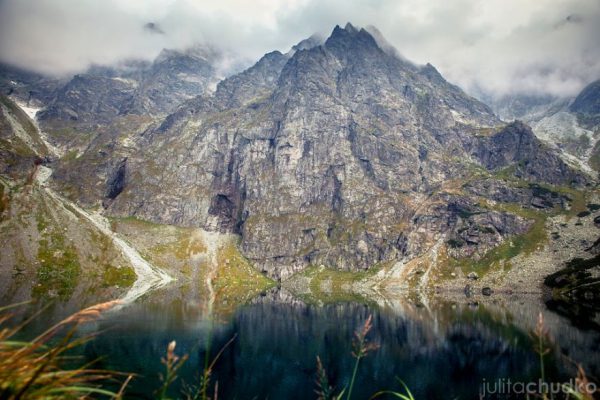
x=117, y=181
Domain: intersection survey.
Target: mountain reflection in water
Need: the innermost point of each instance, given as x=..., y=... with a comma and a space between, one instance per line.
x=441, y=351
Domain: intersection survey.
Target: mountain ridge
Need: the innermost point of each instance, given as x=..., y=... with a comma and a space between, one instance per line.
x=302, y=169
x=339, y=153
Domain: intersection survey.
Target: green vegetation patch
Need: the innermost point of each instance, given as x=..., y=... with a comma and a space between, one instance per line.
x=594, y=160
x=328, y=285
x=168, y=247
x=118, y=276
x=236, y=281
x=59, y=269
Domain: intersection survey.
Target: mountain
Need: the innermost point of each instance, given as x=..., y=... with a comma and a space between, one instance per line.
x=22, y=146
x=338, y=153
x=135, y=87
x=570, y=125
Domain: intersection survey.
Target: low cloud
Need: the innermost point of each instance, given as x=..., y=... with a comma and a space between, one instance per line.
x=497, y=46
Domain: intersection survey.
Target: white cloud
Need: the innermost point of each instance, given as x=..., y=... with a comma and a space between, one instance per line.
x=503, y=46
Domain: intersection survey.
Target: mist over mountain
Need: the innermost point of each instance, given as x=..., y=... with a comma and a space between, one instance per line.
x=543, y=48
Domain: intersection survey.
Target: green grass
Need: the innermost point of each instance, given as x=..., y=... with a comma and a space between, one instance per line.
x=118, y=276
x=594, y=160
x=44, y=367
x=166, y=246
x=71, y=155
x=59, y=269
x=236, y=281
x=487, y=132
x=133, y=220
x=42, y=222
x=328, y=285
x=182, y=248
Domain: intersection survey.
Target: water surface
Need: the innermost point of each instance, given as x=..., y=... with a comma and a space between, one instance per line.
x=442, y=351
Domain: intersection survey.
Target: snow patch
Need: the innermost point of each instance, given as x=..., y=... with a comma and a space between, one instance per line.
x=32, y=113
x=126, y=81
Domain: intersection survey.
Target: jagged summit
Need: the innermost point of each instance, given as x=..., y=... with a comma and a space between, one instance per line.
x=343, y=38
x=350, y=28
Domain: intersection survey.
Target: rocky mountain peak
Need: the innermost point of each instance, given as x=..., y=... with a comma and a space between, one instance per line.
x=432, y=73
x=344, y=39
x=350, y=28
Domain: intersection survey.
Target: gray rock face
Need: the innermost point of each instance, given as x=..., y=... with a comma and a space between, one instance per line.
x=532, y=196
x=517, y=145
x=102, y=94
x=21, y=147
x=588, y=101
x=173, y=78
x=28, y=87
x=89, y=98
x=569, y=125
x=340, y=154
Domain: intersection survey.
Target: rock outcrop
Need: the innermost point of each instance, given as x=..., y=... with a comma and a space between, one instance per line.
x=517, y=146
x=569, y=125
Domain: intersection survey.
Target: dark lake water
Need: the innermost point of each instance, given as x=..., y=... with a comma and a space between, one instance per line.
x=442, y=349
x=445, y=350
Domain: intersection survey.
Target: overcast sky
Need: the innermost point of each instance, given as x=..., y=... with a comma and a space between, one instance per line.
x=501, y=46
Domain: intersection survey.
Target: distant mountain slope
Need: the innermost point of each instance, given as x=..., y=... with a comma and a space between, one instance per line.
x=571, y=125
x=103, y=93
x=21, y=144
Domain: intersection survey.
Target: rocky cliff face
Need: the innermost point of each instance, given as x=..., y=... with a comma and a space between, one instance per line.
x=339, y=153
x=569, y=125
x=517, y=146
x=588, y=101
x=21, y=145
x=104, y=93
x=27, y=87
